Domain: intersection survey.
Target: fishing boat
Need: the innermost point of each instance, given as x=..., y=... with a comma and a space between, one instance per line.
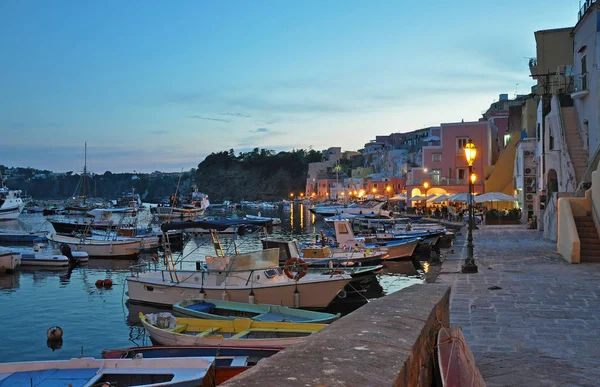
x=367, y=207
x=274, y=221
x=90, y=372
x=9, y=261
x=228, y=310
x=166, y=329
x=11, y=202
x=229, y=362
x=234, y=277
x=99, y=248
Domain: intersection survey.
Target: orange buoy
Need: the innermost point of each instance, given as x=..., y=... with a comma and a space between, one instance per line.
x=107, y=283
x=100, y=283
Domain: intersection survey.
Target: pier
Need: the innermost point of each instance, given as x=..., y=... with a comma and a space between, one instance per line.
x=529, y=317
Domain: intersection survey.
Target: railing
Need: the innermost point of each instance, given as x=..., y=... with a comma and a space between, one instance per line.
x=580, y=82
x=442, y=181
x=586, y=5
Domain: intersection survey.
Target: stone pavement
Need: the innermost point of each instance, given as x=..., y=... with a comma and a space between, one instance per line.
x=529, y=317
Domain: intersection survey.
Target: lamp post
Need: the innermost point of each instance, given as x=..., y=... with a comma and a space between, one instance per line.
x=470, y=154
x=426, y=186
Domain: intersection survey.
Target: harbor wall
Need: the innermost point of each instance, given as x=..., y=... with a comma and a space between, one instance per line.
x=388, y=342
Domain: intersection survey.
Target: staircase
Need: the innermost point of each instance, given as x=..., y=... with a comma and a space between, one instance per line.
x=577, y=153
x=588, y=236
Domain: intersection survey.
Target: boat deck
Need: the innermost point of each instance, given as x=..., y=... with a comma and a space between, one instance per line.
x=49, y=378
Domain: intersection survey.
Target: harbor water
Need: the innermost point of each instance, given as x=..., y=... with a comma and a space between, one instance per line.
x=96, y=318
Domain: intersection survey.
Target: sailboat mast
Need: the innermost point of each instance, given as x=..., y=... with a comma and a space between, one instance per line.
x=84, y=171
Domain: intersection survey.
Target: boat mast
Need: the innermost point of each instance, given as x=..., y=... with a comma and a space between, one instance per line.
x=84, y=171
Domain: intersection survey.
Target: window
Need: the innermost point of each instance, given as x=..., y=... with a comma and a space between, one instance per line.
x=583, y=72
x=539, y=127
x=460, y=143
x=436, y=157
x=435, y=176
x=551, y=143
x=461, y=173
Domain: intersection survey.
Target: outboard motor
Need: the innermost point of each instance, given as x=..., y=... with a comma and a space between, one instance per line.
x=66, y=251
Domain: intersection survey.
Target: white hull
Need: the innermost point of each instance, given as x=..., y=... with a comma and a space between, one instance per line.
x=54, y=260
x=100, y=248
x=89, y=372
x=173, y=339
x=12, y=212
x=315, y=293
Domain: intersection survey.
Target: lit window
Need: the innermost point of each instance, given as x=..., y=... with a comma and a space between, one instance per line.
x=460, y=143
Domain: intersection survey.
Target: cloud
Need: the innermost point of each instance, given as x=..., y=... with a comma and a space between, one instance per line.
x=261, y=130
x=158, y=132
x=209, y=118
x=244, y=115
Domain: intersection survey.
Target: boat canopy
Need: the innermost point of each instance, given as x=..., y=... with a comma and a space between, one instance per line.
x=214, y=224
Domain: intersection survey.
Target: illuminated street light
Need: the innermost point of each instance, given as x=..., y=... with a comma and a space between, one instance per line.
x=470, y=154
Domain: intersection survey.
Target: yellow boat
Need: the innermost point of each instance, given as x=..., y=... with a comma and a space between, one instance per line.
x=166, y=329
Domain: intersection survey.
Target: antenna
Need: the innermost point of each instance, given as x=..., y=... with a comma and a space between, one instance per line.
x=516, y=90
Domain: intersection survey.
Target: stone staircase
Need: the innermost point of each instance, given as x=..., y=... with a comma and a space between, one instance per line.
x=579, y=156
x=588, y=236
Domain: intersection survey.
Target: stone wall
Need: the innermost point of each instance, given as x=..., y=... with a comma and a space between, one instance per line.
x=388, y=342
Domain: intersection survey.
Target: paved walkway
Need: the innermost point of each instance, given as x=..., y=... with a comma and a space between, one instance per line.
x=530, y=318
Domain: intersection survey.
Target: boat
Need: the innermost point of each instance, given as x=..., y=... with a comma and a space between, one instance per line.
x=166, y=329
x=19, y=236
x=99, y=248
x=456, y=363
x=11, y=202
x=100, y=219
x=234, y=277
x=228, y=310
x=274, y=221
x=394, y=248
x=366, y=207
x=130, y=200
x=42, y=256
x=229, y=362
x=90, y=372
x=9, y=261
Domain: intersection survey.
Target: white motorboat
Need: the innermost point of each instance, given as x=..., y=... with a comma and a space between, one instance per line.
x=42, y=256
x=248, y=277
x=274, y=221
x=9, y=261
x=90, y=372
x=367, y=207
x=100, y=248
x=11, y=203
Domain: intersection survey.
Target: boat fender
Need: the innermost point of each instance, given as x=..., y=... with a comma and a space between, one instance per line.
x=295, y=268
x=99, y=283
x=54, y=333
x=296, y=298
x=251, y=297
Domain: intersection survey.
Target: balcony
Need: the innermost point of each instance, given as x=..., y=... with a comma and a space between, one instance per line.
x=580, y=86
x=586, y=5
x=532, y=63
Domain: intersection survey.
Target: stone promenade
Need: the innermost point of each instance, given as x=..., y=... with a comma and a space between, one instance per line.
x=530, y=318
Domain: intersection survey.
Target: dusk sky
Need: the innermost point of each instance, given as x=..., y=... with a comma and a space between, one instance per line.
x=159, y=85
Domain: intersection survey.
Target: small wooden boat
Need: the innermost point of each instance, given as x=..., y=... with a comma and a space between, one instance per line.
x=229, y=362
x=229, y=310
x=166, y=329
x=8, y=261
x=84, y=372
x=121, y=248
x=455, y=360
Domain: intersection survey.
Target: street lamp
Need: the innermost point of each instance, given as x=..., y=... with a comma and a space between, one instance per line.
x=470, y=154
x=426, y=186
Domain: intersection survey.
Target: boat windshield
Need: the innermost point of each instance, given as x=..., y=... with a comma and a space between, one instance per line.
x=254, y=260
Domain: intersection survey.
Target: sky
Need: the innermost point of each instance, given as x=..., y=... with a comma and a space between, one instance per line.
x=158, y=85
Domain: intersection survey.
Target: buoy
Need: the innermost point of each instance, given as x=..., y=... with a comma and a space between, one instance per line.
x=107, y=283
x=100, y=283
x=54, y=333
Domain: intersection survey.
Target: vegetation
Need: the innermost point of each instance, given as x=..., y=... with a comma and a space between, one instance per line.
x=260, y=174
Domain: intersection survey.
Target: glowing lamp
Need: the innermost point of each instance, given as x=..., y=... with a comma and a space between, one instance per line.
x=470, y=152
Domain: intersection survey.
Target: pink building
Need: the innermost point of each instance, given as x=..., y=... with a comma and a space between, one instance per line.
x=444, y=166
